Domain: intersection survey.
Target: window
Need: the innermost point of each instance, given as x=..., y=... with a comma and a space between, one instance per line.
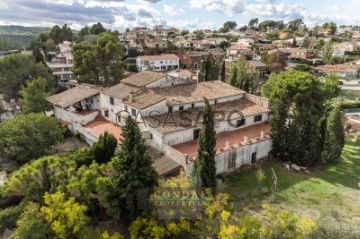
x=111, y=101
x=240, y=123
x=258, y=118
x=181, y=108
x=196, y=133
x=253, y=158
x=151, y=136
x=215, y=102
x=133, y=112
x=106, y=113
x=192, y=106
x=170, y=109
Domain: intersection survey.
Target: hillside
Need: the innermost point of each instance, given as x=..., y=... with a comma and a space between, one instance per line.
x=18, y=37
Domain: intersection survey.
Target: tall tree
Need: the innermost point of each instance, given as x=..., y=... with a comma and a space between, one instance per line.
x=28, y=137
x=334, y=136
x=253, y=22
x=327, y=53
x=209, y=70
x=223, y=72
x=243, y=76
x=83, y=32
x=204, y=171
x=330, y=26
x=103, y=59
x=16, y=69
x=97, y=29
x=60, y=34
x=33, y=96
x=229, y=25
x=297, y=103
x=134, y=169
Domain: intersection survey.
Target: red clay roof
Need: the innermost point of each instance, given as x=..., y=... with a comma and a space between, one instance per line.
x=233, y=137
x=160, y=57
x=99, y=126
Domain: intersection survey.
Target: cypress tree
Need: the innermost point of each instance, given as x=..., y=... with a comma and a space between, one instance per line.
x=334, y=137
x=204, y=171
x=134, y=170
x=223, y=72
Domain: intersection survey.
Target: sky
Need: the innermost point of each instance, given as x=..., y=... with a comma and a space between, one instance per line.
x=182, y=14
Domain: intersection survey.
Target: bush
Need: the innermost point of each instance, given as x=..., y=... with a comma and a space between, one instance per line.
x=349, y=105
x=9, y=216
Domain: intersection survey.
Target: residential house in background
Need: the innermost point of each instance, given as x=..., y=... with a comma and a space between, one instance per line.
x=343, y=71
x=62, y=64
x=340, y=49
x=259, y=66
x=163, y=62
x=235, y=51
x=302, y=53
x=193, y=58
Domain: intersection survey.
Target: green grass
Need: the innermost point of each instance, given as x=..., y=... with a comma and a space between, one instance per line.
x=349, y=94
x=324, y=190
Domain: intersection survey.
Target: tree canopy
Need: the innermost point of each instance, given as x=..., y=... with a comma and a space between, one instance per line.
x=17, y=69
x=28, y=137
x=33, y=96
x=297, y=103
x=102, y=60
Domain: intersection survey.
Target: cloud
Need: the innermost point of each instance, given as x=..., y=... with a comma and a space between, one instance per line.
x=229, y=7
x=282, y=11
x=172, y=10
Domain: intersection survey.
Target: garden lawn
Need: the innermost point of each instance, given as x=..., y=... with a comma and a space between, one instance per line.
x=326, y=190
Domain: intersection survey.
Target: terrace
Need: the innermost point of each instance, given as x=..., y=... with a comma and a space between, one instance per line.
x=235, y=139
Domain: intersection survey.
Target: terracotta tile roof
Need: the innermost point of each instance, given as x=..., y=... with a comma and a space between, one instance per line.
x=160, y=57
x=100, y=125
x=233, y=137
x=238, y=47
x=143, y=78
x=164, y=123
x=74, y=95
x=186, y=94
x=144, y=99
x=120, y=91
x=181, y=72
x=339, y=67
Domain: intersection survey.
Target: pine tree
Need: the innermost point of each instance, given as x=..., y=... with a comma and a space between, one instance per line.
x=334, y=137
x=104, y=149
x=134, y=169
x=33, y=96
x=204, y=171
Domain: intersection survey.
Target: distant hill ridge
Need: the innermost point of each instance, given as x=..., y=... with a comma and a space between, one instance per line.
x=19, y=37
x=22, y=31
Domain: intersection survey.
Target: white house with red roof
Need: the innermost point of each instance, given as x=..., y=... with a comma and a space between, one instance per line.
x=163, y=62
x=168, y=110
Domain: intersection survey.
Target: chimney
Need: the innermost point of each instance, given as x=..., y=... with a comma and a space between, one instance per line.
x=130, y=98
x=262, y=135
x=246, y=140
x=227, y=147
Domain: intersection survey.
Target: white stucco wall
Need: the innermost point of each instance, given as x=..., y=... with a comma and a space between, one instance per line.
x=240, y=156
